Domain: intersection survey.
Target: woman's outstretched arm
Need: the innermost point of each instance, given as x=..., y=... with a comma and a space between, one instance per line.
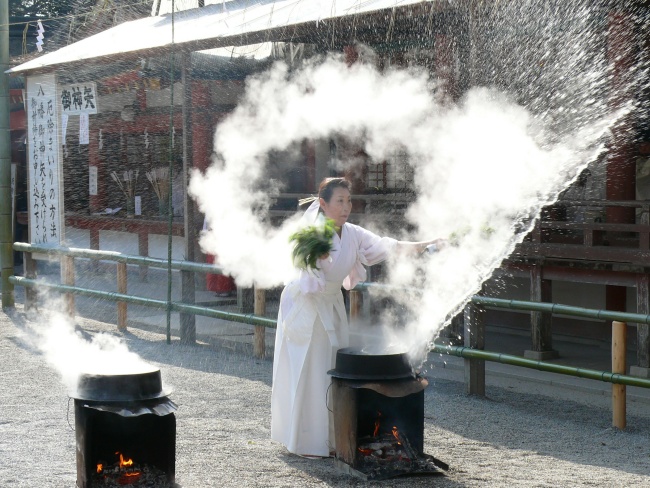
x=410, y=247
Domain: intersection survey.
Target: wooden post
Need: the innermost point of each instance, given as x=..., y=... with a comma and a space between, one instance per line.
x=619, y=336
x=474, y=338
x=642, y=330
x=356, y=301
x=121, y=288
x=188, y=285
x=259, y=337
x=540, y=322
x=143, y=250
x=30, y=272
x=94, y=244
x=67, y=271
x=453, y=333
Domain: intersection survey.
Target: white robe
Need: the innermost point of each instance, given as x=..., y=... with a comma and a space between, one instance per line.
x=312, y=326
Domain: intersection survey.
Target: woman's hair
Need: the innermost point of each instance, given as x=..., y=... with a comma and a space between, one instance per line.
x=327, y=186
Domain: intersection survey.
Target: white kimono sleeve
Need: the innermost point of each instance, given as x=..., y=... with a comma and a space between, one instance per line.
x=371, y=249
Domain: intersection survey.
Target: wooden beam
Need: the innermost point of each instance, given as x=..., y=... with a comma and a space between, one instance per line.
x=572, y=274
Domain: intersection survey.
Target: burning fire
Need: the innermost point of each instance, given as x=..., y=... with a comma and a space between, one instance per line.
x=124, y=469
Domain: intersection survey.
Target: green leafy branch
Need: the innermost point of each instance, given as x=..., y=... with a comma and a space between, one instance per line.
x=311, y=243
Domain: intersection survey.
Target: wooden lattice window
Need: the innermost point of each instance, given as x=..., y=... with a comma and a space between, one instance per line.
x=395, y=173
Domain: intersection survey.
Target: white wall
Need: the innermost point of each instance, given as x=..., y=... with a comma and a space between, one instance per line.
x=125, y=242
x=158, y=246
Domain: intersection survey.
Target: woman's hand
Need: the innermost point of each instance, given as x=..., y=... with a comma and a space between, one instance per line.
x=435, y=245
x=421, y=247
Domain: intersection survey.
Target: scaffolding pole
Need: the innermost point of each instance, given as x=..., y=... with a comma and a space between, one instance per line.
x=6, y=211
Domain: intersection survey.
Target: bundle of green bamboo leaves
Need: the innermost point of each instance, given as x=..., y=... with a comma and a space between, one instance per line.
x=312, y=242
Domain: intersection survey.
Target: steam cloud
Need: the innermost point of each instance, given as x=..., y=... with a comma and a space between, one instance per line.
x=483, y=167
x=483, y=170
x=72, y=355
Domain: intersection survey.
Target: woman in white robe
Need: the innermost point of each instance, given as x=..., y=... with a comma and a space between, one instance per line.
x=313, y=325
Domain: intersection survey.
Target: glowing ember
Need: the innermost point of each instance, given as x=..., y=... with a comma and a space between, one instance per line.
x=396, y=435
x=122, y=472
x=129, y=478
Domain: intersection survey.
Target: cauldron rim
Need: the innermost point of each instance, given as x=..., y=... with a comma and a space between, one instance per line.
x=367, y=377
x=75, y=395
x=355, y=364
x=110, y=388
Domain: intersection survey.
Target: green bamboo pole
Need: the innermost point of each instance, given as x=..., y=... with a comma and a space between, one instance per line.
x=6, y=221
x=159, y=263
x=250, y=319
x=209, y=268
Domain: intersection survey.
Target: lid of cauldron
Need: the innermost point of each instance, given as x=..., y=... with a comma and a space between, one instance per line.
x=120, y=387
x=358, y=364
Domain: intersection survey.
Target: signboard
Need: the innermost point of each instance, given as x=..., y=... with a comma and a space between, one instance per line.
x=43, y=162
x=80, y=98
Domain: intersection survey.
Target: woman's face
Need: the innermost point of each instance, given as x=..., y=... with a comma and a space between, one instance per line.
x=339, y=207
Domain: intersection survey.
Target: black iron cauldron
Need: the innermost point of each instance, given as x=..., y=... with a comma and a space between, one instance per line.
x=132, y=387
x=358, y=364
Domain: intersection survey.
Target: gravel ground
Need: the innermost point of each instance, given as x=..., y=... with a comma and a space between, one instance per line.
x=523, y=434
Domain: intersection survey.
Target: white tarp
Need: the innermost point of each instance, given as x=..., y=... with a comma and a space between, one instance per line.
x=214, y=23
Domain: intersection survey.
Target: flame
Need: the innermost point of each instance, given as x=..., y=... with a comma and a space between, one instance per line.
x=396, y=435
x=100, y=468
x=365, y=452
x=124, y=462
x=374, y=434
x=129, y=475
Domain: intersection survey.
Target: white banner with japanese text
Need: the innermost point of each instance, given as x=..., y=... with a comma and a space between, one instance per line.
x=44, y=162
x=80, y=98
